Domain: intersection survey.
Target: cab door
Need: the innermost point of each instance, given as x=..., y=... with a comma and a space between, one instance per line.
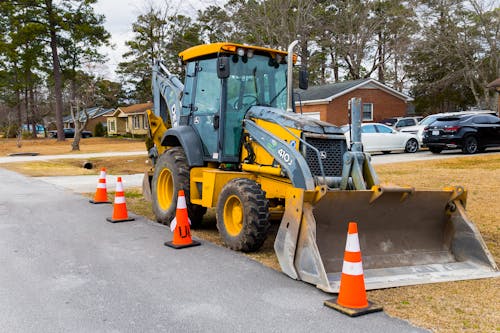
x=205, y=108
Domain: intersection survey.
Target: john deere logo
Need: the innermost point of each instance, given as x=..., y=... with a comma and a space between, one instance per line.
x=322, y=154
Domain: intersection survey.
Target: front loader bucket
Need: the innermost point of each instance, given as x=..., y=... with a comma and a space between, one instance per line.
x=407, y=237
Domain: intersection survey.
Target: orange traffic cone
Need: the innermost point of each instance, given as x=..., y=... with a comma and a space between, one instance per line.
x=352, y=294
x=120, y=207
x=101, y=194
x=180, y=226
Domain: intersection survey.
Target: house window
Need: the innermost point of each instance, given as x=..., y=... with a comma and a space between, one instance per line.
x=367, y=111
x=136, y=122
x=112, y=126
x=145, y=121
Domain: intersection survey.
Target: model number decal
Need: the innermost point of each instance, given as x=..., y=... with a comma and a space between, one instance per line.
x=285, y=156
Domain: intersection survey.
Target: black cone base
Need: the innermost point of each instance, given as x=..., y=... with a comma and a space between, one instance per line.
x=171, y=244
x=99, y=202
x=109, y=219
x=352, y=312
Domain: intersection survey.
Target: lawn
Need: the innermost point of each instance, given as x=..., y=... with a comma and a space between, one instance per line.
x=465, y=306
x=50, y=146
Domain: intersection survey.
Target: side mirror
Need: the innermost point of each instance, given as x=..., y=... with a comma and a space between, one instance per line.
x=303, y=79
x=223, y=67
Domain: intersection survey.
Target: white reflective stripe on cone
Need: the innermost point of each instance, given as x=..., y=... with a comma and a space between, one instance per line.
x=173, y=224
x=119, y=200
x=352, y=268
x=119, y=187
x=101, y=185
x=181, y=203
x=103, y=174
x=352, y=243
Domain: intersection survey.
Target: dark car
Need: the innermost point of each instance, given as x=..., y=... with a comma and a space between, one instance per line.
x=70, y=133
x=470, y=132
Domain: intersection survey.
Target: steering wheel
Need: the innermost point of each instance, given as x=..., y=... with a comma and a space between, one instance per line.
x=250, y=98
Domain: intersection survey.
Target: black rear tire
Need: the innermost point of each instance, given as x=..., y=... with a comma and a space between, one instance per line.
x=471, y=145
x=171, y=175
x=243, y=215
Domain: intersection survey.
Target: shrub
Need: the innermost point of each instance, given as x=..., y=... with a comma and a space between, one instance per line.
x=99, y=130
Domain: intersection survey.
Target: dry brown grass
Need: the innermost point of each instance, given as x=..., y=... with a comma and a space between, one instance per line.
x=74, y=167
x=466, y=306
x=52, y=146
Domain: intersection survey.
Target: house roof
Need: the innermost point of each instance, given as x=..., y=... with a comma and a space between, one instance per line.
x=93, y=112
x=327, y=92
x=136, y=108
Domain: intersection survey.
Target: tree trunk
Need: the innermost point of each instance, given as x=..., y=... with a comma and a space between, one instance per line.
x=75, y=145
x=30, y=106
x=18, y=99
x=381, y=58
x=56, y=69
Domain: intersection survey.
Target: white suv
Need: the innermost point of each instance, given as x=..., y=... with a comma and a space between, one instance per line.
x=400, y=122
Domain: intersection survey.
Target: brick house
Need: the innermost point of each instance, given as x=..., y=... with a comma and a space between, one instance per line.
x=330, y=102
x=96, y=115
x=129, y=120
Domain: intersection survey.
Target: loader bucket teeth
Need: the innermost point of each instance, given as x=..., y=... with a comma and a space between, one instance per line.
x=407, y=237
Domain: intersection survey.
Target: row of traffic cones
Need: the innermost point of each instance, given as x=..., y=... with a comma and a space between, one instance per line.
x=120, y=213
x=180, y=226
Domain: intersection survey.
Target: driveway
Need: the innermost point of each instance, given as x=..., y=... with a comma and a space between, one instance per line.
x=424, y=155
x=65, y=269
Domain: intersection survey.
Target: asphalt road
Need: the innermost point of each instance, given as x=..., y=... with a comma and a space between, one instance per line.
x=63, y=268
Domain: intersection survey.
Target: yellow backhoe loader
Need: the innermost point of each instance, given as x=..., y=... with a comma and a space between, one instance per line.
x=229, y=136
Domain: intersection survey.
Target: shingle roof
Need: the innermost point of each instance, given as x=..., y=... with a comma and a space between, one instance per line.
x=136, y=108
x=93, y=112
x=327, y=92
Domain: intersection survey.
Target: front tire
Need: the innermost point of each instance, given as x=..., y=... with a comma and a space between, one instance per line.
x=243, y=215
x=471, y=146
x=411, y=146
x=171, y=175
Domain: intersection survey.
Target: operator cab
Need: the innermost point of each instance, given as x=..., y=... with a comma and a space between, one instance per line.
x=223, y=81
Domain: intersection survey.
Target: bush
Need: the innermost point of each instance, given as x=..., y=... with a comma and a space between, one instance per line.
x=99, y=130
x=10, y=131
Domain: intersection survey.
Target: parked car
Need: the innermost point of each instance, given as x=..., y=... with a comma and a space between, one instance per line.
x=418, y=129
x=70, y=133
x=401, y=122
x=379, y=137
x=470, y=132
